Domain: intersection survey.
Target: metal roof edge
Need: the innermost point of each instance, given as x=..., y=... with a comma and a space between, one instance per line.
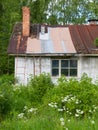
x=47, y=54
x=44, y=54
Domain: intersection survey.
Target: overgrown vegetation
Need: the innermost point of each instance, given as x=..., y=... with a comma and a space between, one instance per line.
x=69, y=104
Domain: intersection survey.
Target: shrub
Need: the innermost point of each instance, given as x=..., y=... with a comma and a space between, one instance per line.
x=74, y=98
x=6, y=100
x=39, y=86
x=7, y=79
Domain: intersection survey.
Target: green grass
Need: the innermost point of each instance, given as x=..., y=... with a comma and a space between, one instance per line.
x=42, y=122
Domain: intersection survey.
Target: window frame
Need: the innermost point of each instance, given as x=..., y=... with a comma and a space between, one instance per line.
x=69, y=67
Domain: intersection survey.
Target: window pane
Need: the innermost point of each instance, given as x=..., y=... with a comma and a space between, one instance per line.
x=64, y=63
x=73, y=63
x=73, y=72
x=55, y=63
x=55, y=72
x=64, y=72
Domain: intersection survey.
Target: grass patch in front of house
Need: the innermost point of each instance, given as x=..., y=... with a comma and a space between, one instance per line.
x=69, y=105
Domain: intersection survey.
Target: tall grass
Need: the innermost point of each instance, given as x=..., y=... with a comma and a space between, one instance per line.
x=49, y=122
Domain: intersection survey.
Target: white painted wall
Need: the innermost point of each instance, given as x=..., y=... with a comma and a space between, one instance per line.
x=26, y=66
x=88, y=65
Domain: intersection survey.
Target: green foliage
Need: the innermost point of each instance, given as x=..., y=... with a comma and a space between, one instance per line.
x=6, y=100
x=69, y=104
x=74, y=98
x=7, y=79
x=15, y=98
x=96, y=42
x=40, y=85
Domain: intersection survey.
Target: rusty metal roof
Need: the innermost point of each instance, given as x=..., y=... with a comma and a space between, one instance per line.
x=71, y=39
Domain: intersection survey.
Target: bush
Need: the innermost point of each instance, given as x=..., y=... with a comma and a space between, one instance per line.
x=7, y=79
x=39, y=85
x=6, y=100
x=74, y=98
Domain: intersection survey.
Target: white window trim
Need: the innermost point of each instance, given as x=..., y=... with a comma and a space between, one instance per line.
x=68, y=66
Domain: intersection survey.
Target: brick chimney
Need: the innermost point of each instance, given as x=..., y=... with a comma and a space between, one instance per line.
x=26, y=21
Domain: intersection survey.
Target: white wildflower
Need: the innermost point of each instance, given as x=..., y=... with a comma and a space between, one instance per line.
x=70, y=113
x=77, y=102
x=66, y=128
x=81, y=112
x=60, y=109
x=78, y=111
x=92, y=122
x=61, y=119
x=62, y=123
x=76, y=115
x=68, y=120
x=20, y=115
x=63, y=107
x=32, y=109
x=65, y=99
x=25, y=108
x=94, y=110
x=89, y=117
x=90, y=111
x=53, y=104
x=1, y=95
x=95, y=107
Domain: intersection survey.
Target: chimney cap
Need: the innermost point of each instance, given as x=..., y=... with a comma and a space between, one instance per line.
x=91, y=20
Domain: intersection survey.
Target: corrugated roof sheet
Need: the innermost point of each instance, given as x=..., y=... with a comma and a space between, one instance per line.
x=70, y=39
x=58, y=40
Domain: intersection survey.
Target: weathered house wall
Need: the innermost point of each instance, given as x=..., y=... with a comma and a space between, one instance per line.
x=88, y=65
x=26, y=66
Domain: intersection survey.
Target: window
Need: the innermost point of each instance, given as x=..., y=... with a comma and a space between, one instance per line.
x=64, y=67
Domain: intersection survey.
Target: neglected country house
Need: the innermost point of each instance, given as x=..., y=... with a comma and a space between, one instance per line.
x=58, y=50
